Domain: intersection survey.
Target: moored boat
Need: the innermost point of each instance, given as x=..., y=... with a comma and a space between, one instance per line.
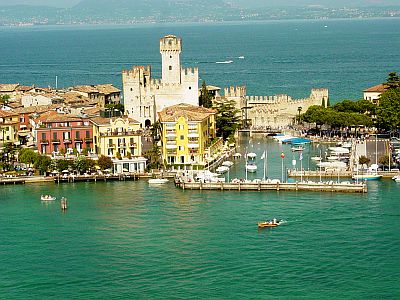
x=47, y=198
x=227, y=163
x=367, y=176
x=222, y=169
x=396, y=178
x=158, y=180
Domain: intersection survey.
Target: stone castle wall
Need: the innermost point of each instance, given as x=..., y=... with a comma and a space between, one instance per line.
x=278, y=111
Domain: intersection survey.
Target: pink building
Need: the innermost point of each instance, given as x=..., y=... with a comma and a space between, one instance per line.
x=59, y=131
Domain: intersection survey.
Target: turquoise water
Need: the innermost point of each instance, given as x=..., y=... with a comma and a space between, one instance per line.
x=289, y=57
x=126, y=240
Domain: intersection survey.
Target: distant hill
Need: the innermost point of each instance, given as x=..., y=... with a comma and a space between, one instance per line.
x=146, y=11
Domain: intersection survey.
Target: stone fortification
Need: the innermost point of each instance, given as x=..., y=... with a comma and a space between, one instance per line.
x=144, y=96
x=278, y=111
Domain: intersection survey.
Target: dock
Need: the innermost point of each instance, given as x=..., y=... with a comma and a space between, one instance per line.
x=12, y=180
x=95, y=178
x=335, y=174
x=344, y=187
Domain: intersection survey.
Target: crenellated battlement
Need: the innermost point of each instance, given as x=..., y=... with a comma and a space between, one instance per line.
x=235, y=91
x=137, y=73
x=170, y=43
x=189, y=71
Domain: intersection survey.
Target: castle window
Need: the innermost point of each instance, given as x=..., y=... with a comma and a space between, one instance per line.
x=170, y=56
x=170, y=68
x=190, y=87
x=131, y=89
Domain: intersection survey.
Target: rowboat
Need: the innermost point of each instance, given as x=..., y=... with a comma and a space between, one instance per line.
x=158, y=180
x=270, y=223
x=47, y=198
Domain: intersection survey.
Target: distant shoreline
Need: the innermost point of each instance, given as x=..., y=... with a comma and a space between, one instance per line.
x=183, y=23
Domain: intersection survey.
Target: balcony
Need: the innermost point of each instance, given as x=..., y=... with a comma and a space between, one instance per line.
x=78, y=140
x=88, y=140
x=55, y=141
x=171, y=145
x=170, y=134
x=121, y=133
x=121, y=145
x=111, y=145
x=44, y=142
x=193, y=145
x=193, y=135
x=133, y=145
x=67, y=141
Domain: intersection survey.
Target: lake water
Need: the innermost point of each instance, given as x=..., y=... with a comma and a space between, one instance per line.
x=289, y=57
x=129, y=240
x=126, y=240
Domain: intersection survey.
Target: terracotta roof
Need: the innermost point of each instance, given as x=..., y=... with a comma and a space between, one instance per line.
x=35, y=109
x=100, y=88
x=107, y=89
x=190, y=112
x=380, y=88
x=53, y=117
x=5, y=113
x=23, y=88
x=14, y=105
x=106, y=121
x=8, y=87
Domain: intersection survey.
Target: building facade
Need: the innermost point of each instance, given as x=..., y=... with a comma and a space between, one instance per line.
x=56, y=133
x=144, y=96
x=117, y=135
x=8, y=127
x=374, y=93
x=186, y=133
x=102, y=93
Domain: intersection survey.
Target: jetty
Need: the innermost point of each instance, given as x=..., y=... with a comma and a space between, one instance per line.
x=95, y=178
x=335, y=174
x=12, y=180
x=344, y=187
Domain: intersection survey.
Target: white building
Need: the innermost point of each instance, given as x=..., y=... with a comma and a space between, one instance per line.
x=145, y=96
x=374, y=93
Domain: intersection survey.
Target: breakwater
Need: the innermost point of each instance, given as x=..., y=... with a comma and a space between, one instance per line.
x=345, y=187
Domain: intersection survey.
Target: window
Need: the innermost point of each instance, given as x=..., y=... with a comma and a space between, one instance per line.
x=110, y=142
x=54, y=135
x=77, y=134
x=43, y=136
x=182, y=137
x=87, y=133
x=181, y=148
x=170, y=56
x=170, y=68
x=190, y=87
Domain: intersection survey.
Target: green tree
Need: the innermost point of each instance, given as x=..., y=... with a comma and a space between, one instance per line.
x=363, y=160
x=393, y=80
x=4, y=99
x=156, y=130
x=105, y=162
x=388, y=111
x=118, y=155
x=42, y=163
x=62, y=164
x=205, y=98
x=153, y=157
x=227, y=118
x=27, y=156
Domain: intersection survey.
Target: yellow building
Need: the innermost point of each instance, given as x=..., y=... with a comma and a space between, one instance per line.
x=186, y=132
x=8, y=127
x=117, y=135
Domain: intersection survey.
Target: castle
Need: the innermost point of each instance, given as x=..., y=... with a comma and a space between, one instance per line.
x=145, y=96
x=273, y=112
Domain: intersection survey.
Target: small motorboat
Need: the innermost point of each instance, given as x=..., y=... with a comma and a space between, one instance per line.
x=396, y=178
x=270, y=223
x=227, y=163
x=47, y=198
x=316, y=158
x=222, y=169
x=298, y=148
x=158, y=180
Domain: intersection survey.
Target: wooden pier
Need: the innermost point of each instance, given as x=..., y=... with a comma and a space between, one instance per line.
x=95, y=178
x=12, y=180
x=334, y=174
x=261, y=186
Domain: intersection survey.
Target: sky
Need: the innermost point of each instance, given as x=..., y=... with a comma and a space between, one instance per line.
x=252, y=3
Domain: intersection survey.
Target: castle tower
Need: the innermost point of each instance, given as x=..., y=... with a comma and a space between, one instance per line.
x=170, y=49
